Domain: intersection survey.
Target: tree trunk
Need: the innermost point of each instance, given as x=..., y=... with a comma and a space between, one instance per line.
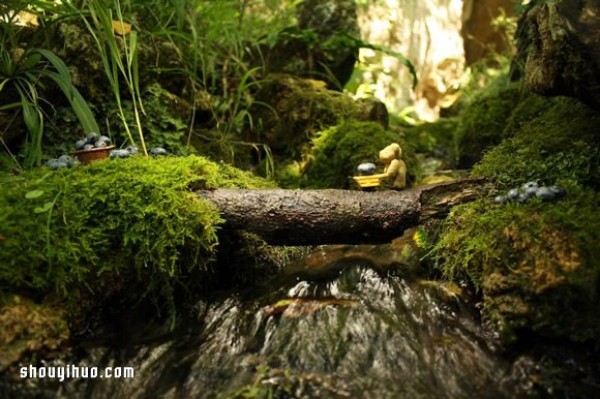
x=559, y=49
x=312, y=217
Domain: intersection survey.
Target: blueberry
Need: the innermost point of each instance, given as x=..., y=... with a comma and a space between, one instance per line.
x=158, y=151
x=91, y=138
x=366, y=168
x=513, y=194
x=52, y=163
x=104, y=138
x=56, y=164
x=80, y=144
x=67, y=160
x=531, y=190
x=500, y=199
x=119, y=154
x=132, y=149
x=522, y=197
x=545, y=194
x=100, y=144
x=558, y=192
x=530, y=184
x=88, y=146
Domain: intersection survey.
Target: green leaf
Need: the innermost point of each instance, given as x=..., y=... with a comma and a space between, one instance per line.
x=78, y=103
x=45, y=208
x=60, y=66
x=34, y=194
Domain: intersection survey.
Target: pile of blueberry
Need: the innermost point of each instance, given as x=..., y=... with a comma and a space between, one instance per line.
x=366, y=169
x=132, y=150
x=529, y=190
x=64, y=161
x=92, y=140
x=124, y=153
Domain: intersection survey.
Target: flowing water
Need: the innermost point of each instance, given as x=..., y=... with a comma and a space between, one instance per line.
x=363, y=326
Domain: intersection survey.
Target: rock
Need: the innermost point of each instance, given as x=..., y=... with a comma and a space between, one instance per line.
x=88, y=146
x=297, y=111
x=500, y=199
x=100, y=144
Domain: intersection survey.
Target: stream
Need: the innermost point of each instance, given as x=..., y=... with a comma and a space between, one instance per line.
x=345, y=322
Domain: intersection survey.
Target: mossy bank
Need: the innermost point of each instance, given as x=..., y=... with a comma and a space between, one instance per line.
x=115, y=226
x=537, y=264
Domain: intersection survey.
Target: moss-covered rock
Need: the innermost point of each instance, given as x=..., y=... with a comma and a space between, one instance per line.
x=134, y=218
x=554, y=139
x=483, y=121
x=537, y=264
x=290, y=111
x=339, y=150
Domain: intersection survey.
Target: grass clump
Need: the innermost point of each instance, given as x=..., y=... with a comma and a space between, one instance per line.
x=135, y=217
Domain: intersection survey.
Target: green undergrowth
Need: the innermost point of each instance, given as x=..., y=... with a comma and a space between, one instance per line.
x=339, y=150
x=537, y=264
x=67, y=230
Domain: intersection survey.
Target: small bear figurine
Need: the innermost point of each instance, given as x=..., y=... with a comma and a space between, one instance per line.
x=395, y=168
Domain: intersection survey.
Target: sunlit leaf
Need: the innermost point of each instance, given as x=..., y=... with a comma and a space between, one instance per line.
x=34, y=194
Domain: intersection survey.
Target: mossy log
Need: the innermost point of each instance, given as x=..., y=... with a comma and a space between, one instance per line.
x=312, y=217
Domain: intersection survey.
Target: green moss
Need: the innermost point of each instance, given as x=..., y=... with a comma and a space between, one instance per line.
x=135, y=217
x=536, y=264
x=293, y=110
x=555, y=141
x=482, y=123
x=339, y=150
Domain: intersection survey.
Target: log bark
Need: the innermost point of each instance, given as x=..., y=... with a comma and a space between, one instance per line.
x=315, y=217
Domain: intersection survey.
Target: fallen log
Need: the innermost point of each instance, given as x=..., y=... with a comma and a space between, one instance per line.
x=314, y=217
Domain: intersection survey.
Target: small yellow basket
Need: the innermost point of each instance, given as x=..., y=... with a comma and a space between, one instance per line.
x=369, y=181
